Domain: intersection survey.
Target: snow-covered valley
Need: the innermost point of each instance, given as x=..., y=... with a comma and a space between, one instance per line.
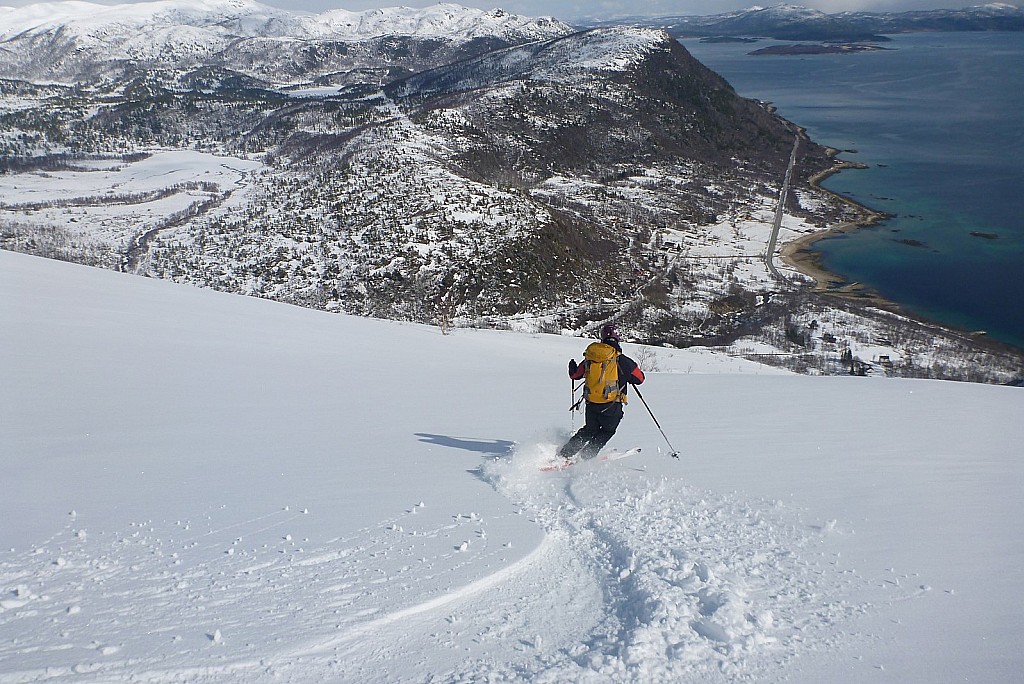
x=201, y=487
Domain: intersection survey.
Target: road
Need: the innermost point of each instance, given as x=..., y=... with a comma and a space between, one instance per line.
x=769, y=257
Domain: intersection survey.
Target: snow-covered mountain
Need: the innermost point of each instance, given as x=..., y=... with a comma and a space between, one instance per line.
x=465, y=183
x=446, y=165
x=79, y=40
x=758, y=18
x=564, y=60
x=202, y=488
x=107, y=26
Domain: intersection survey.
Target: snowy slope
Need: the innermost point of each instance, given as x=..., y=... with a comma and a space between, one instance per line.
x=201, y=487
x=568, y=59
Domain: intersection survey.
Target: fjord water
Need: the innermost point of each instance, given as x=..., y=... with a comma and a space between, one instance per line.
x=939, y=120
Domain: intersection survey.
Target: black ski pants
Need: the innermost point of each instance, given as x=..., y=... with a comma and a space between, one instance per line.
x=601, y=421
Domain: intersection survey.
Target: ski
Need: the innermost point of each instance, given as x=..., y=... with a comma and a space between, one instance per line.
x=615, y=454
x=611, y=455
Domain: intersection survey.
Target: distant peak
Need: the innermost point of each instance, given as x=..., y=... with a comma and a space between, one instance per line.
x=250, y=18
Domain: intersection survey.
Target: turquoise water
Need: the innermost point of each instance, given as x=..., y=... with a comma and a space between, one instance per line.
x=940, y=122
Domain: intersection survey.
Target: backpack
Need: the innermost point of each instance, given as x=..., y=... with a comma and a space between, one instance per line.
x=602, y=376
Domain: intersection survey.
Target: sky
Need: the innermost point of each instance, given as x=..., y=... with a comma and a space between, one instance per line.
x=603, y=9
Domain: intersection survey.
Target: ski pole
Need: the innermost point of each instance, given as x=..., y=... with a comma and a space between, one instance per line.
x=674, y=454
x=572, y=397
x=575, y=404
x=572, y=411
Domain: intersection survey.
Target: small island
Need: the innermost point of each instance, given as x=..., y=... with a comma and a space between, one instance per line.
x=909, y=242
x=728, y=39
x=818, y=49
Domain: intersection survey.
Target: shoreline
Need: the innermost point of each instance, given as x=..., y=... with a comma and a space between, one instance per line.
x=797, y=254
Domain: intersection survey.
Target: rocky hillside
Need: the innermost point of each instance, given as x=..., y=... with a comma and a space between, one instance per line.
x=533, y=179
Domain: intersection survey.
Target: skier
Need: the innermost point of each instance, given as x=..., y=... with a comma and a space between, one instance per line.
x=608, y=372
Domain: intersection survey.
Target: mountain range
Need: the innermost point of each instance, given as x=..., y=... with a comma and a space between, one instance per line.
x=793, y=22
x=75, y=41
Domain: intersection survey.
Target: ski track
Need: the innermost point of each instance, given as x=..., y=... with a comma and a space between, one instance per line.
x=695, y=586
x=150, y=602
x=639, y=578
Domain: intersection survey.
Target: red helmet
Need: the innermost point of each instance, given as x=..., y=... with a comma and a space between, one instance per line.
x=609, y=331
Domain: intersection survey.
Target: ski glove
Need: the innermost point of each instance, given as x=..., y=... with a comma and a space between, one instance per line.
x=572, y=366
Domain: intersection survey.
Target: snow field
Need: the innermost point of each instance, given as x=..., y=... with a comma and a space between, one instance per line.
x=173, y=590
x=159, y=171
x=695, y=586
x=109, y=204
x=201, y=487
